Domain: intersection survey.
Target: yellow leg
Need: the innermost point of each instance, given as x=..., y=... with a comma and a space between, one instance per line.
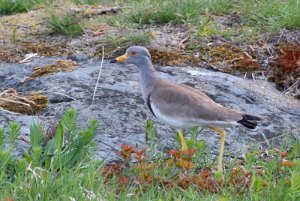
x=222, y=133
x=182, y=141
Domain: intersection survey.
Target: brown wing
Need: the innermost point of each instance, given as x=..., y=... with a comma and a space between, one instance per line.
x=172, y=99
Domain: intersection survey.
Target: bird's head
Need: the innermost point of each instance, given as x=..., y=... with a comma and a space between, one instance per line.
x=136, y=55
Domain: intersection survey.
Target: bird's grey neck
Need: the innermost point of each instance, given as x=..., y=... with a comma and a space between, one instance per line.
x=147, y=77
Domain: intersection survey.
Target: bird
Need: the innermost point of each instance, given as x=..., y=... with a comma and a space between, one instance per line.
x=181, y=106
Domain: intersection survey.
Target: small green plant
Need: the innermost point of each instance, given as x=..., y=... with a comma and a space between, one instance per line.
x=128, y=38
x=64, y=24
x=119, y=20
x=151, y=137
x=207, y=28
x=89, y=2
x=291, y=15
x=69, y=145
x=69, y=148
x=271, y=14
x=139, y=38
x=150, y=12
x=8, y=7
x=218, y=7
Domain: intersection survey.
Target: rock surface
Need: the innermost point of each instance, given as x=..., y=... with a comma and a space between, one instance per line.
x=120, y=110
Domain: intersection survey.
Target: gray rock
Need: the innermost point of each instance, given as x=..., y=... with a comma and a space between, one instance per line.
x=121, y=113
x=79, y=57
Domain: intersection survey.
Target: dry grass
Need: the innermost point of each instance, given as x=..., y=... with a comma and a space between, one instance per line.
x=59, y=66
x=29, y=104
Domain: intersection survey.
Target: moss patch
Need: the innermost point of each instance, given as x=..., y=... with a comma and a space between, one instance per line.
x=59, y=66
x=172, y=57
x=29, y=104
x=231, y=59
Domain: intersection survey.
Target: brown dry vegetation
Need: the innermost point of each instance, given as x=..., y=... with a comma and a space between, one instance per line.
x=286, y=68
x=29, y=104
x=59, y=66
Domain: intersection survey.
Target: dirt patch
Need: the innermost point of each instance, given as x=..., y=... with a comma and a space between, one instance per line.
x=285, y=69
x=15, y=53
x=59, y=66
x=29, y=104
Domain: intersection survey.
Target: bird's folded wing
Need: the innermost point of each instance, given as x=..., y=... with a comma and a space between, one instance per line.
x=185, y=102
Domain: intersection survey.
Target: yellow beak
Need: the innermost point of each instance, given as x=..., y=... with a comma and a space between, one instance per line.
x=122, y=58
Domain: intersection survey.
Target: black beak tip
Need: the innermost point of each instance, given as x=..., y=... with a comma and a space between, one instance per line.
x=113, y=61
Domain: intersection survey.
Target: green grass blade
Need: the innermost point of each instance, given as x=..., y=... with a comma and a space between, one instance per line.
x=59, y=138
x=36, y=134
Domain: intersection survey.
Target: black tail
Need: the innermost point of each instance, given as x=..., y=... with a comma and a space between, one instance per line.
x=249, y=121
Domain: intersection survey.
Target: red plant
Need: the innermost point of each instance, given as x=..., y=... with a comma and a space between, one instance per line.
x=289, y=57
x=183, y=174
x=126, y=151
x=182, y=159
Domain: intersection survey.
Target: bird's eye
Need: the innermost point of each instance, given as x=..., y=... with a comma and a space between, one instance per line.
x=133, y=53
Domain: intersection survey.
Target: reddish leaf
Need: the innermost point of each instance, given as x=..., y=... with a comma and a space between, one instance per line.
x=284, y=154
x=181, y=163
x=127, y=148
x=205, y=174
x=189, y=152
x=140, y=152
x=140, y=158
x=123, y=180
x=110, y=170
x=10, y=198
x=174, y=152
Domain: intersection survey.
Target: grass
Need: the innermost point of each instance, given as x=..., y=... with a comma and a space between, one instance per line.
x=59, y=166
x=259, y=16
x=8, y=7
x=89, y=2
x=64, y=24
x=161, y=12
x=128, y=38
x=270, y=15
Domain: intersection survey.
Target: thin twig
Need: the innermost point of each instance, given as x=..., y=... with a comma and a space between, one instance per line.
x=181, y=43
x=271, y=139
x=4, y=92
x=100, y=70
x=28, y=56
x=265, y=138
